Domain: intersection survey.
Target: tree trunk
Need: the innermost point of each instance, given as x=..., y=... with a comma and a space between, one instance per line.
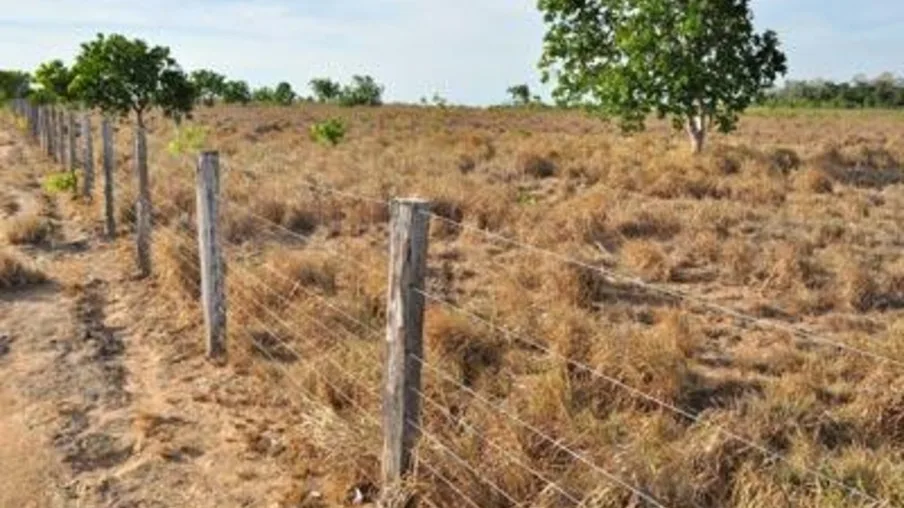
x=696, y=131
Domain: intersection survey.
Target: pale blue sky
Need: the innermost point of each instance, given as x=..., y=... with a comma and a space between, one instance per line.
x=468, y=51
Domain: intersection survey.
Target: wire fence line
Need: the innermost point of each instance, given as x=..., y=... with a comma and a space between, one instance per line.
x=407, y=438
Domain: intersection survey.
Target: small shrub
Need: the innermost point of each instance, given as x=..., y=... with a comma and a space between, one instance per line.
x=329, y=132
x=187, y=140
x=60, y=182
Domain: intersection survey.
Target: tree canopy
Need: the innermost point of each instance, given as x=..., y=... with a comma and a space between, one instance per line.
x=284, y=94
x=120, y=75
x=209, y=85
x=236, y=92
x=54, y=78
x=325, y=90
x=363, y=91
x=699, y=62
x=14, y=84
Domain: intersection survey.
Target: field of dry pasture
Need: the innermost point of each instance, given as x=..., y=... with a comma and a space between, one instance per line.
x=796, y=219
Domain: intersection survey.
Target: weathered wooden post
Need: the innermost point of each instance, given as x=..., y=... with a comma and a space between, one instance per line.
x=88, y=163
x=32, y=111
x=143, y=208
x=61, y=137
x=107, y=135
x=61, y=146
x=51, y=132
x=404, y=336
x=70, y=143
x=213, y=282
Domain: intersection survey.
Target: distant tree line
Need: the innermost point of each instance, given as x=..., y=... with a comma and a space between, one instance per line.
x=883, y=91
x=55, y=82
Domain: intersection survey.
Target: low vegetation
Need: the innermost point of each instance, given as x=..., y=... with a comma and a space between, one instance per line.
x=793, y=219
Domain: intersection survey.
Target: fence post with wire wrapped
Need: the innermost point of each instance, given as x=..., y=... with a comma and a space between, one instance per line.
x=409, y=227
x=213, y=282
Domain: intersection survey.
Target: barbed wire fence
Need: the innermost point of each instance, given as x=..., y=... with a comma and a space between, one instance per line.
x=392, y=411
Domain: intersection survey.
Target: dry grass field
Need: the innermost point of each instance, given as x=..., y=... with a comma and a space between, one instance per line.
x=544, y=375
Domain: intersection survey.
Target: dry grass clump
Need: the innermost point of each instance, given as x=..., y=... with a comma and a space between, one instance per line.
x=28, y=230
x=176, y=261
x=646, y=259
x=813, y=180
x=477, y=355
x=15, y=274
x=535, y=165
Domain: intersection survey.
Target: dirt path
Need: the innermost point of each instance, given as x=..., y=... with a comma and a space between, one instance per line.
x=102, y=401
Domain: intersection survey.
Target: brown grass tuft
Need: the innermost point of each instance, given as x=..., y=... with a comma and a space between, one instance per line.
x=646, y=259
x=15, y=274
x=813, y=180
x=475, y=353
x=176, y=261
x=535, y=165
x=28, y=230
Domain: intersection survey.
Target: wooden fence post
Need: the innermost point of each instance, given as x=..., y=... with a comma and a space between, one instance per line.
x=61, y=137
x=404, y=336
x=213, y=282
x=32, y=116
x=107, y=136
x=88, y=163
x=51, y=132
x=70, y=143
x=143, y=208
x=40, y=128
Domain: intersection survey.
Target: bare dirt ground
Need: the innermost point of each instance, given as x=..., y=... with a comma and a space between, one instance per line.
x=98, y=406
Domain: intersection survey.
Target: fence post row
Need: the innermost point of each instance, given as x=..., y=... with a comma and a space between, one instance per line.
x=88, y=162
x=107, y=139
x=404, y=336
x=211, y=258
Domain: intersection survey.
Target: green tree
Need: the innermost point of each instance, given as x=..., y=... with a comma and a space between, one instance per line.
x=121, y=76
x=363, y=91
x=14, y=84
x=520, y=94
x=54, y=78
x=325, y=90
x=699, y=62
x=284, y=94
x=210, y=85
x=263, y=94
x=236, y=92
